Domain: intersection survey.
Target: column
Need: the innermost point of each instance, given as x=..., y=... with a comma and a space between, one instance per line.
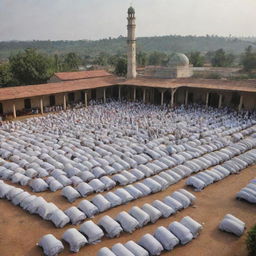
x=207, y=99
x=162, y=98
x=241, y=103
x=85, y=99
x=119, y=93
x=144, y=95
x=186, y=98
x=220, y=101
x=41, y=105
x=173, y=91
x=14, y=110
x=104, y=95
x=134, y=93
x=64, y=102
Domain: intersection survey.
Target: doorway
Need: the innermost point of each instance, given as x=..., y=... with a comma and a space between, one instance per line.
x=27, y=104
x=213, y=99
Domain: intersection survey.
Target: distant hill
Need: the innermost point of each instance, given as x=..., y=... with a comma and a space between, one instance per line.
x=167, y=44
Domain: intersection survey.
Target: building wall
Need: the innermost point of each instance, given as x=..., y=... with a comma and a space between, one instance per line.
x=168, y=72
x=8, y=106
x=184, y=71
x=249, y=101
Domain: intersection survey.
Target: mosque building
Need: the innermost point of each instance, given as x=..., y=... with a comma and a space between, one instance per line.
x=172, y=84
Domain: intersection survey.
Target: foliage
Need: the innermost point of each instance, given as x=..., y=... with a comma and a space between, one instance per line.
x=121, y=67
x=196, y=59
x=251, y=241
x=248, y=59
x=5, y=75
x=71, y=62
x=166, y=44
x=222, y=59
x=142, y=59
x=158, y=58
x=102, y=59
x=31, y=67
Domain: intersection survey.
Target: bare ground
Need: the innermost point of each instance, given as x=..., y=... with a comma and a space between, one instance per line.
x=20, y=231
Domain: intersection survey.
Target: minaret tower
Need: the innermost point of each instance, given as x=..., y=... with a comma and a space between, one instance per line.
x=131, y=43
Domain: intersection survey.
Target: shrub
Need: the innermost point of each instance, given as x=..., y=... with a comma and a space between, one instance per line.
x=251, y=241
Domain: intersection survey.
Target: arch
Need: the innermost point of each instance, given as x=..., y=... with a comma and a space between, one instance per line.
x=213, y=99
x=157, y=97
x=109, y=92
x=93, y=94
x=235, y=99
x=27, y=103
x=190, y=97
x=139, y=94
x=71, y=97
x=115, y=92
x=52, y=100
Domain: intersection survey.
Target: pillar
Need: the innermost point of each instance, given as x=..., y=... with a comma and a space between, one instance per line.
x=85, y=100
x=65, y=102
x=220, y=101
x=173, y=91
x=119, y=93
x=241, y=103
x=104, y=95
x=207, y=99
x=162, y=98
x=186, y=98
x=144, y=95
x=14, y=110
x=131, y=43
x=41, y=105
x=134, y=93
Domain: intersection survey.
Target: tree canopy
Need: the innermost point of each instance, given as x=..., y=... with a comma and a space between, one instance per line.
x=222, y=59
x=196, y=59
x=248, y=59
x=31, y=67
x=121, y=67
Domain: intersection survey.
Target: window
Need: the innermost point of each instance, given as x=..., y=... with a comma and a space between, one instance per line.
x=27, y=103
x=52, y=100
x=1, y=109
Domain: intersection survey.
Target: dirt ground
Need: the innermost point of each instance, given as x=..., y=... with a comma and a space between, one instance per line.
x=20, y=231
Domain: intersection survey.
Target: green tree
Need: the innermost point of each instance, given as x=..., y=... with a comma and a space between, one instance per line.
x=102, y=59
x=31, y=67
x=196, y=59
x=222, y=59
x=158, y=58
x=141, y=59
x=5, y=75
x=121, y=67
x=71, y=62
x=248, y=59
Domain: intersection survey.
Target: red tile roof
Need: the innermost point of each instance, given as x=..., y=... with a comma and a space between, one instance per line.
x=67, y=76
x=19, y=92
x=217, y=84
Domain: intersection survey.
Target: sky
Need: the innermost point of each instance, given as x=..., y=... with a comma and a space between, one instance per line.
x=97, y=19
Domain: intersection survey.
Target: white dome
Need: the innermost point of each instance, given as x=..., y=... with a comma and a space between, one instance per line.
x=178, y=59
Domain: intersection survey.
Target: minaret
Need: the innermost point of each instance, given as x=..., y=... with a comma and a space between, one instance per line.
x=131, y=43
